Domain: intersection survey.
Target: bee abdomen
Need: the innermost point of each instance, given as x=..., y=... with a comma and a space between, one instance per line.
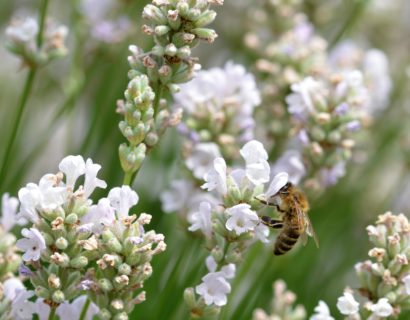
x=285, y=241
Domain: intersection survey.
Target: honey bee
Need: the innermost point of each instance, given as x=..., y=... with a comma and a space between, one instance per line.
x=293, y=205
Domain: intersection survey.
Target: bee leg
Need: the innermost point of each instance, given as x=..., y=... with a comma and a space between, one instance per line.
x=275, y=224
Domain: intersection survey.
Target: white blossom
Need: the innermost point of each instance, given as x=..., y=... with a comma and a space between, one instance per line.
x=21, y=307
x=292, y=163
x=214, y=289
x=321, y=312
x=122, y=199
x=241, y=218
x=277, y=183
x=300, y=102
x=73, y=167
x=91, y=181
x=216, y=177
x=406, y=281
x=22, y=30
x=382, y=308
x=32, y=244
x=347, y=305
x=69, y=311
x=11, y=287
x=9, y=207
x=177, y=197
x=257, y=166
x=262, y=233
x=201, y=219
x=98, y=216
x=200, y=161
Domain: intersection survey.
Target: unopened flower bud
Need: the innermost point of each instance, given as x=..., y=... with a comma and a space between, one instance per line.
x=117, y=304
x=72, y=218
x=61, y=243
x=151, y=139
x=154, y=14
x=121, y=316
x=54, y=281
x=161, y=30
x=105, y=285
x=42, y=292
x=189, y=297
x=79, y=262
x=58, y=296
x=205, y=18
x=124, y=269
x=205, y=34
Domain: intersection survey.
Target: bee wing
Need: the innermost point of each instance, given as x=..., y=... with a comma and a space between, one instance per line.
x=309, y=229
x=304, y=222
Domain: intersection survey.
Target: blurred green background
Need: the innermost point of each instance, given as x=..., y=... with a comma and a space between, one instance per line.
x=72, y=111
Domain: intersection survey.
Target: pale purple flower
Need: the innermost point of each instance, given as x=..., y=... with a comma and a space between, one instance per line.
x=25, y=271
x=11, y=287
x=257, y=166
x=341, y=109
x=241, y=218
x=215, y=179
x=330, y=176
x=21, y=307
x=91, y=181
x=32, y=244
x=353, y=126
x=211, y=263
x=73, y=167
x=122, y=199
x=292, y=163
x=9, y=207
x=69, y=311
x=201, y=219
x=200, y=161
x=347, y=305
x=322, y=312
x=214, y=289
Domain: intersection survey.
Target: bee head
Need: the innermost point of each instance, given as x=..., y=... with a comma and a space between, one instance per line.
x=285, y=189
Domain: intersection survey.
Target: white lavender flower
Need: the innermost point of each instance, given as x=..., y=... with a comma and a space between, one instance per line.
x=347, y=305
x=201, y=219
x=11, y=287
x=122, y=199
x=291, y=162
x=91, y=181
x=214, y=289
x=257, y=166
x=321, y=312
x=380, y=310
x=69, y=311
x=241, y=218
x=98, y=216
x=32, y=244
x=277, y=183
x=201, y=158
x=23, y=30
x=73, y=167
x=21, y=307
x=215, y=179
x=9, y=206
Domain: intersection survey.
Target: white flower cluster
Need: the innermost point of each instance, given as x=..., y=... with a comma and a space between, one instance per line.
x=69, y=231
x=22, y=40
x=230, y=228
x=218, y=107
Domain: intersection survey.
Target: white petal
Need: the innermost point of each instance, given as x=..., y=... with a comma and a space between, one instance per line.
x=278, y=182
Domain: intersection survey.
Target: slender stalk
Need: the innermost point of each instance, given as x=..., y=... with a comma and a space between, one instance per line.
x=52, y=313
x=20, y=109
x=85, y=309
x=127, y=179
x=26, y=92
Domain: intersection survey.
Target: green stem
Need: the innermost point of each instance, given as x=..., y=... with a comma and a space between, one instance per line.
x=20, y=109
x=85, y=309
x=127, y=179
x=26, y=92
x=52, y=313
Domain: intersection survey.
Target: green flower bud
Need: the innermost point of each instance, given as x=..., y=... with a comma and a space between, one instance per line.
x=183, y=8
x=79, y=262
x=317, y=134
x=48, y=238
x=58, y=296
x=124, y=269
x=171, y=50
x=151, y=139
x=114, y=245
x=42, y=292
x=72, y=218
x=121, y=316
x=174, y=20
x=205, y=34
x=189, y=297
x=104, y=314
x=165, y=74
x=181, y=39
x=184, y=52
x=161, y=30
x=211, y=311
x=334, y=137
x=117, y=304
x=154, y=14
x=105, y=285
x=61, y=243
x=205, y=18
x=193, y=14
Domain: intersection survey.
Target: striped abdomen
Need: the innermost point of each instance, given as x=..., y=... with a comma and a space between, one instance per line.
x=286, y=240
